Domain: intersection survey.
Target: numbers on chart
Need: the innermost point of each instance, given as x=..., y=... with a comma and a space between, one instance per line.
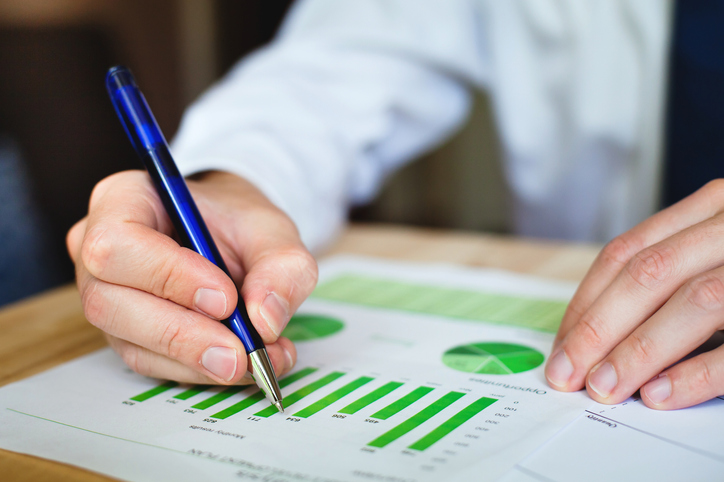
x=294, y=419
x=190, y=410
x=210, y=420
x=129, y=403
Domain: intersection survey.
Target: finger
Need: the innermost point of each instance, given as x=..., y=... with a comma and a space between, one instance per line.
x=703, y=204
x=165, y=328
x=131, y=254
x=74, y=239
x=684, y=323
x=636, y=293
x=688, y=383
x=264, y=246
x=275, y=286
x=150, y=364
x=129, y=196
x=122, y=245
x=174, y=332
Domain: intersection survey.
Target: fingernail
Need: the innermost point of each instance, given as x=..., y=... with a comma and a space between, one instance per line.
x=220, y=361
x=275, y=311
x=210, y=302
x=559, y=370
x=658, y=390
x=290, y=360
x=603, y=380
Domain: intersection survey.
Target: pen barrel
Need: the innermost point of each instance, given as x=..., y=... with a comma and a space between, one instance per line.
x=193, y=233
x=146, y=137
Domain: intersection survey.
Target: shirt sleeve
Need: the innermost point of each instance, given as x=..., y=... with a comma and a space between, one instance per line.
x=348, y=92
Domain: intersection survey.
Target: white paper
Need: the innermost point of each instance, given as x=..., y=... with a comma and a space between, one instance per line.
x=632, y=442
x=82, y=412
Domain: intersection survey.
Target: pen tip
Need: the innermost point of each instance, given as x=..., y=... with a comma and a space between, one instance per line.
x=279, y=406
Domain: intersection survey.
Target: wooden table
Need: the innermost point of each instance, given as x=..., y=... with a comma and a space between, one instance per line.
x=46, y=330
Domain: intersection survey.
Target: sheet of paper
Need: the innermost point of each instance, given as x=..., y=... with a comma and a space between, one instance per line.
x=632, y=442
x=405, y=373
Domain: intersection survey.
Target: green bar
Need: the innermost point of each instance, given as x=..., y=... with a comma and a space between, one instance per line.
x=259, y=396
x=402, y=403
x=154, y=391
x=416, y=420
x=454, y=422
x=358, y=405
x=291, y=399
x=219, y=397
x=238, y=407
x=532, y=313
x=333, y=397
x=191, y=392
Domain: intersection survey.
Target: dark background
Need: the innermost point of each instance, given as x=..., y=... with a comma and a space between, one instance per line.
x=53, y=105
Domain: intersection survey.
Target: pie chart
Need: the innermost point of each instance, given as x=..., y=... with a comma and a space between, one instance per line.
x=493, y=358
x=304, y=327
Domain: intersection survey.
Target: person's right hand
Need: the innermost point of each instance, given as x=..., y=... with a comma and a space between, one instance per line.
x=158, y=303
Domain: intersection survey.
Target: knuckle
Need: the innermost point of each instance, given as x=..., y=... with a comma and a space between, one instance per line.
x=134, y=359
x=302, y=267
x=103, y=186
x=617, y=252
x=72, y=237
x=93, y=303
x=307, y=266
x=167, y=276
x=589, y=330
x=99, y=190
x=651, y=267
x=574, y=310
x=172, y=340
x=705, y=293
x=96, y=250
x=702, y=377
x=643, y=350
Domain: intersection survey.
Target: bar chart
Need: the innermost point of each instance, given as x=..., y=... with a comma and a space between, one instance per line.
x=527, y=312
x=345, y=399
x=402, y=374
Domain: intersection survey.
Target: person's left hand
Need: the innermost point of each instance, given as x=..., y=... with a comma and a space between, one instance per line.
x=653, y=295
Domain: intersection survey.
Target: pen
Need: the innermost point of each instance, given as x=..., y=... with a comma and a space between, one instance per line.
x=151, y=146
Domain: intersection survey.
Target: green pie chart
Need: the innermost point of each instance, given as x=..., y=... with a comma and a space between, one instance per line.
x=493, y=358
x=311, y=327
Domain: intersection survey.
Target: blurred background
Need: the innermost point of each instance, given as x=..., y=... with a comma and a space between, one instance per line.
x=59, y=135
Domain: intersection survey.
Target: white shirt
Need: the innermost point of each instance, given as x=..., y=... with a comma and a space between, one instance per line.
x=352, y=89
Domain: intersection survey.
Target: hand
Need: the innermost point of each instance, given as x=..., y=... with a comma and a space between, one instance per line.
x=653, y=295
x=158, y=303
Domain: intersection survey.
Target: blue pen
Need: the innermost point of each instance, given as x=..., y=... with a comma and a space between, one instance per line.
x=151, y=146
